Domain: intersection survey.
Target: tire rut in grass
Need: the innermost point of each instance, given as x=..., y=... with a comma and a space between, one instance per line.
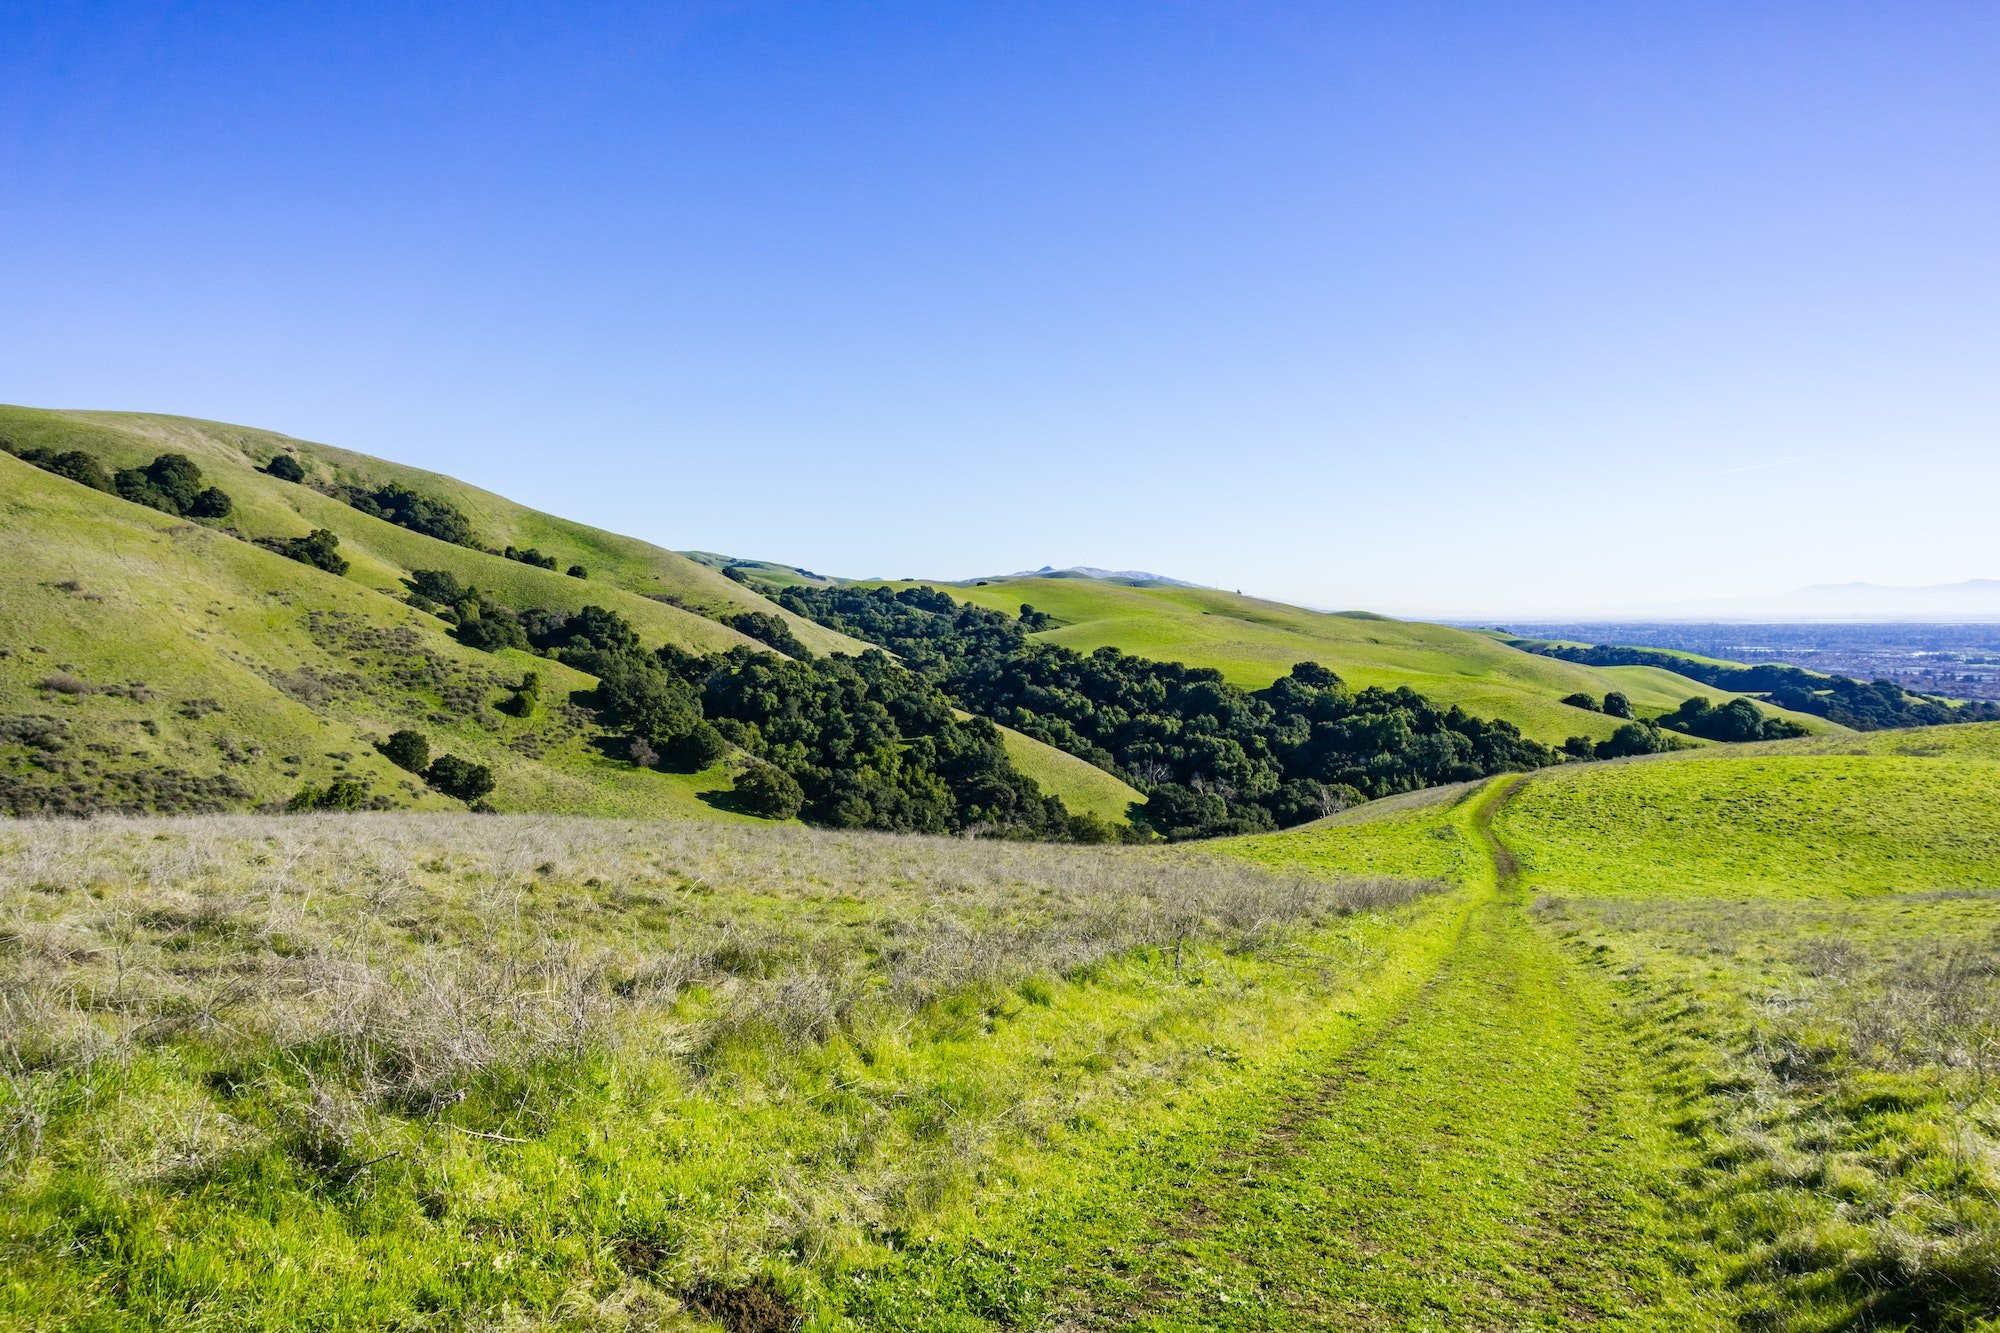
x=1452, y=1170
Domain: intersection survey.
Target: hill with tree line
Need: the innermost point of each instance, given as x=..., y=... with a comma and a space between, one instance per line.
x=158, y=661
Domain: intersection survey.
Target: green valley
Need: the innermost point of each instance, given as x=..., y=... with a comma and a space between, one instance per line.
x=305, y=1027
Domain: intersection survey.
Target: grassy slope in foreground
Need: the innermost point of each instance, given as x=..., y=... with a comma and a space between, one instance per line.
x=1462, y=1143
x=382, y=1071
x=1803, y=944
x=1253, y=642
x=212, y=658
x=1890, y=812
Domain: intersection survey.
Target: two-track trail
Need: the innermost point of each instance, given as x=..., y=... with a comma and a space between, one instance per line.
x=1475, y=1162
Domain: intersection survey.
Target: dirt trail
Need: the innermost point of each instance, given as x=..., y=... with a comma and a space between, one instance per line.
x=1465, y=1166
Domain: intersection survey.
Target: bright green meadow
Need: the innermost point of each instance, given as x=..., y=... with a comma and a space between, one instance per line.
x=1455, y=1060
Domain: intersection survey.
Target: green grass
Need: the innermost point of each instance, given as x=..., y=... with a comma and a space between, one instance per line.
x=595, y=1073
x=1408, y=835
x=1799, y=937
x=1253, y=642
x=1765, y=824
x=1462, y=1142
x=1083, y=787
x=397, y=1070
x=1823, y=1056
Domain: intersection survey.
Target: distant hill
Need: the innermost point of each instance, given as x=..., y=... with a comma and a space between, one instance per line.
x=763, y=573
x=1133, y=576
x=1253, y=642
x=1973, y=599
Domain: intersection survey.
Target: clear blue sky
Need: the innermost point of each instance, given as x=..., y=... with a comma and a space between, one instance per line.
x=1452, y=308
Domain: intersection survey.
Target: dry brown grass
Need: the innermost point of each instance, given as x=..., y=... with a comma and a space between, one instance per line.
x=394, y=959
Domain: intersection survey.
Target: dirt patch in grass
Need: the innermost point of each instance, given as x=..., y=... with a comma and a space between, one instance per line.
x=752, y=1307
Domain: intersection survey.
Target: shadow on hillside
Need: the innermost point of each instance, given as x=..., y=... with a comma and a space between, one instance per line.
x=729, y=801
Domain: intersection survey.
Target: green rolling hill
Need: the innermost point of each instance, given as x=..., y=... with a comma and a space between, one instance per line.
x=1253, y=642
x=180, y=668
x=627, y=575
x=1697, y=1040
x=206, y=672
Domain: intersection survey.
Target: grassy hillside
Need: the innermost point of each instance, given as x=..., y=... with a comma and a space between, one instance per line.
x=175, y=667
x=626, y=575
x=114, y=594
x=1801, y=938
x=1764, y=825
x=1253, y=642
x=1083, y=787
x=762, y=573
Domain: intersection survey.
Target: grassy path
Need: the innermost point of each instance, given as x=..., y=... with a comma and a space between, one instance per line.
x=1480, y=1161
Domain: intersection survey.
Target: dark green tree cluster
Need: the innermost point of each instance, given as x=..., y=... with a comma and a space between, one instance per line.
x=1212, y=758
x=407, y=749
x=340, y=794
x=1863, y=705
x=528, y=555
x=489, y=624
x=655, y=705
x=320, y=549
x=871, y=745
x=1634, y=738
x=1737, y=720
x=767, y=790
x=848, y=742
x=285, y=468
x=406, y=508
x=526, y=698
x=171, y=483
x=74, y=464
x=1614, y=704
x=460, y=778
x=769, y=630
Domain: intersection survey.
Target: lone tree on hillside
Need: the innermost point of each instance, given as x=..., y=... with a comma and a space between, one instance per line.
x=320, y=549
x=1582, y=700
x=408, y=750
x=285, y=468
x=459, y=777
x=1617, y=705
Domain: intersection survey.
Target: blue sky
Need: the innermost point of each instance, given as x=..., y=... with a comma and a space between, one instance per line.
x=1460, y=309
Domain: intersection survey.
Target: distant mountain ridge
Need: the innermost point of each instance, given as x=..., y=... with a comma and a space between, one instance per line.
x=1137, y=576
x=1971, y=599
